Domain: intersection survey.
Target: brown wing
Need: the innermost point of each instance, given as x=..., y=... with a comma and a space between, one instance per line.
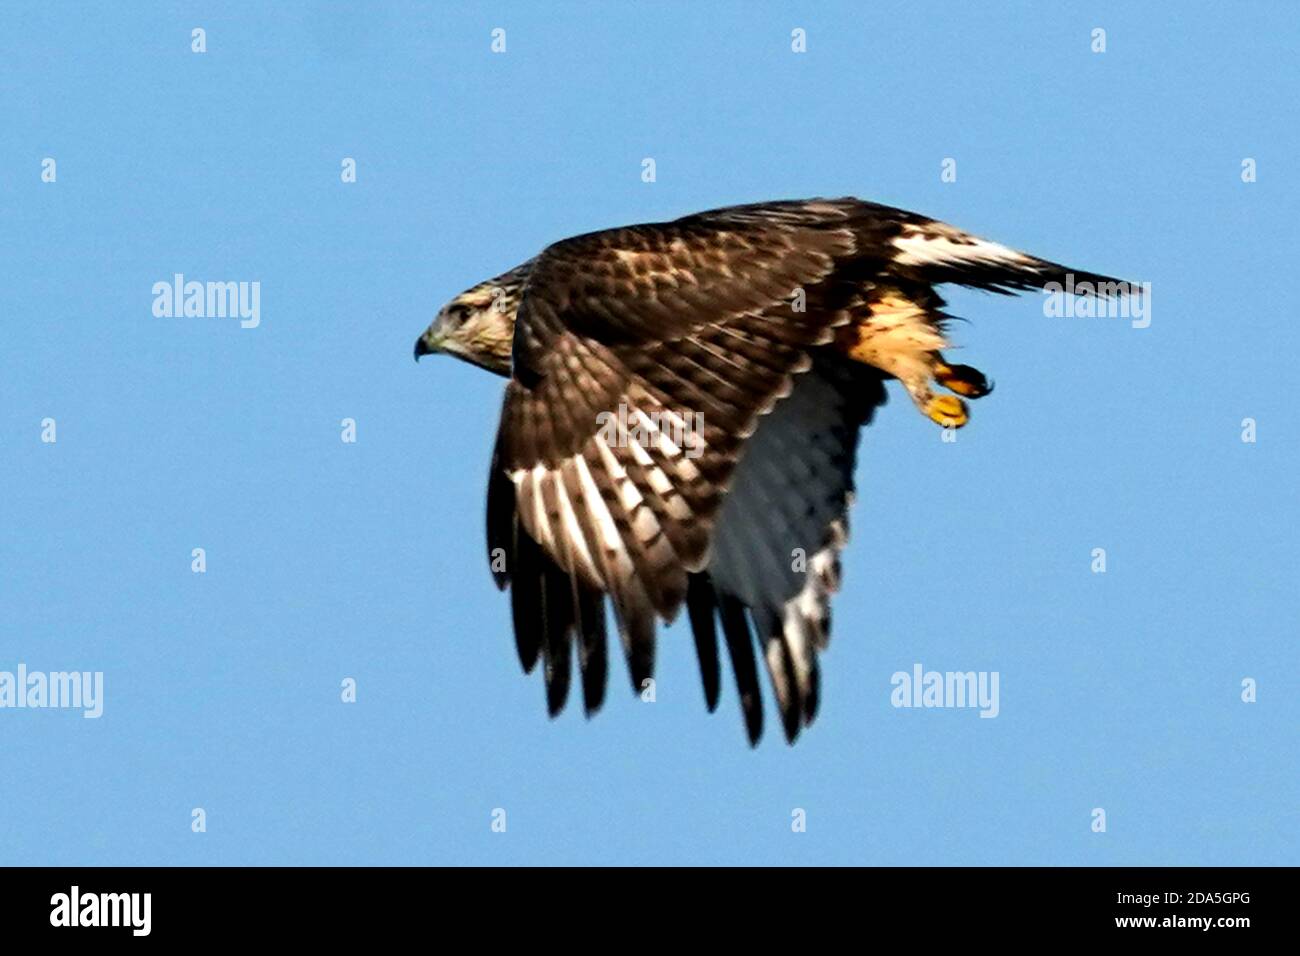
x=692, y=322
x=689, y=323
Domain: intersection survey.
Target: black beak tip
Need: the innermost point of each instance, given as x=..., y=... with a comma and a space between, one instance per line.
x=421, y=348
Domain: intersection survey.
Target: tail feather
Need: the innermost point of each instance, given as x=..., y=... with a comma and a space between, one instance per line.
x=934, y=252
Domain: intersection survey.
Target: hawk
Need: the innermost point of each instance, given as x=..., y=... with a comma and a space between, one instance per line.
x=681, y=422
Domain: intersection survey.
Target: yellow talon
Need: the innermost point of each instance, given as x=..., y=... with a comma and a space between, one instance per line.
x=962, y=379
x=947, y=411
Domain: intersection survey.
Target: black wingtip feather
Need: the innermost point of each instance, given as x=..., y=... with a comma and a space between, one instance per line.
x=814, y=698
x=700, y=606
x=593, y=659
x=557, y=626
x=792, y=711
x=557, y=682
x=502, y=522
x=639, y=641
x=526, y=601
x=740, y=645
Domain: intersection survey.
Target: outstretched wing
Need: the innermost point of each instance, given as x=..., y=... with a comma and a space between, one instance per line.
x=685, y=332
x=775, y=559
x=644, y=360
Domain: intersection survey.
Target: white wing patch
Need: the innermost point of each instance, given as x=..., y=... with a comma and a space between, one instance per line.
x=578, y=524
x=573, y=530
x=943, y=245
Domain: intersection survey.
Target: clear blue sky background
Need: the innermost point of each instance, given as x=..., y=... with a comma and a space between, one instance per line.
x=328, y=560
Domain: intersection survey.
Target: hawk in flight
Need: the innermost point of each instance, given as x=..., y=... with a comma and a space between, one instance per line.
x=681, y=422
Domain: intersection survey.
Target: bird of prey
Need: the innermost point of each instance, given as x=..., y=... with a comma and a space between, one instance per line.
x=681, y=422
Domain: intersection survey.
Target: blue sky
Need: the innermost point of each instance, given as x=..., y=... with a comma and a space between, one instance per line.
x=328, y=560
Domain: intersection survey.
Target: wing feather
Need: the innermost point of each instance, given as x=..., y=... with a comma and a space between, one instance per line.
x=716, y=319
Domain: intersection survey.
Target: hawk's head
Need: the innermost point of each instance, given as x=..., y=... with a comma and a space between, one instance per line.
x=478, y=325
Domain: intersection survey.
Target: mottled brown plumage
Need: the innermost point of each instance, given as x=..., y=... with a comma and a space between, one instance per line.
x=771, y=329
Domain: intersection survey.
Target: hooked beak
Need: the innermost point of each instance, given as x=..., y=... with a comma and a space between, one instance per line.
x=422, y=348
